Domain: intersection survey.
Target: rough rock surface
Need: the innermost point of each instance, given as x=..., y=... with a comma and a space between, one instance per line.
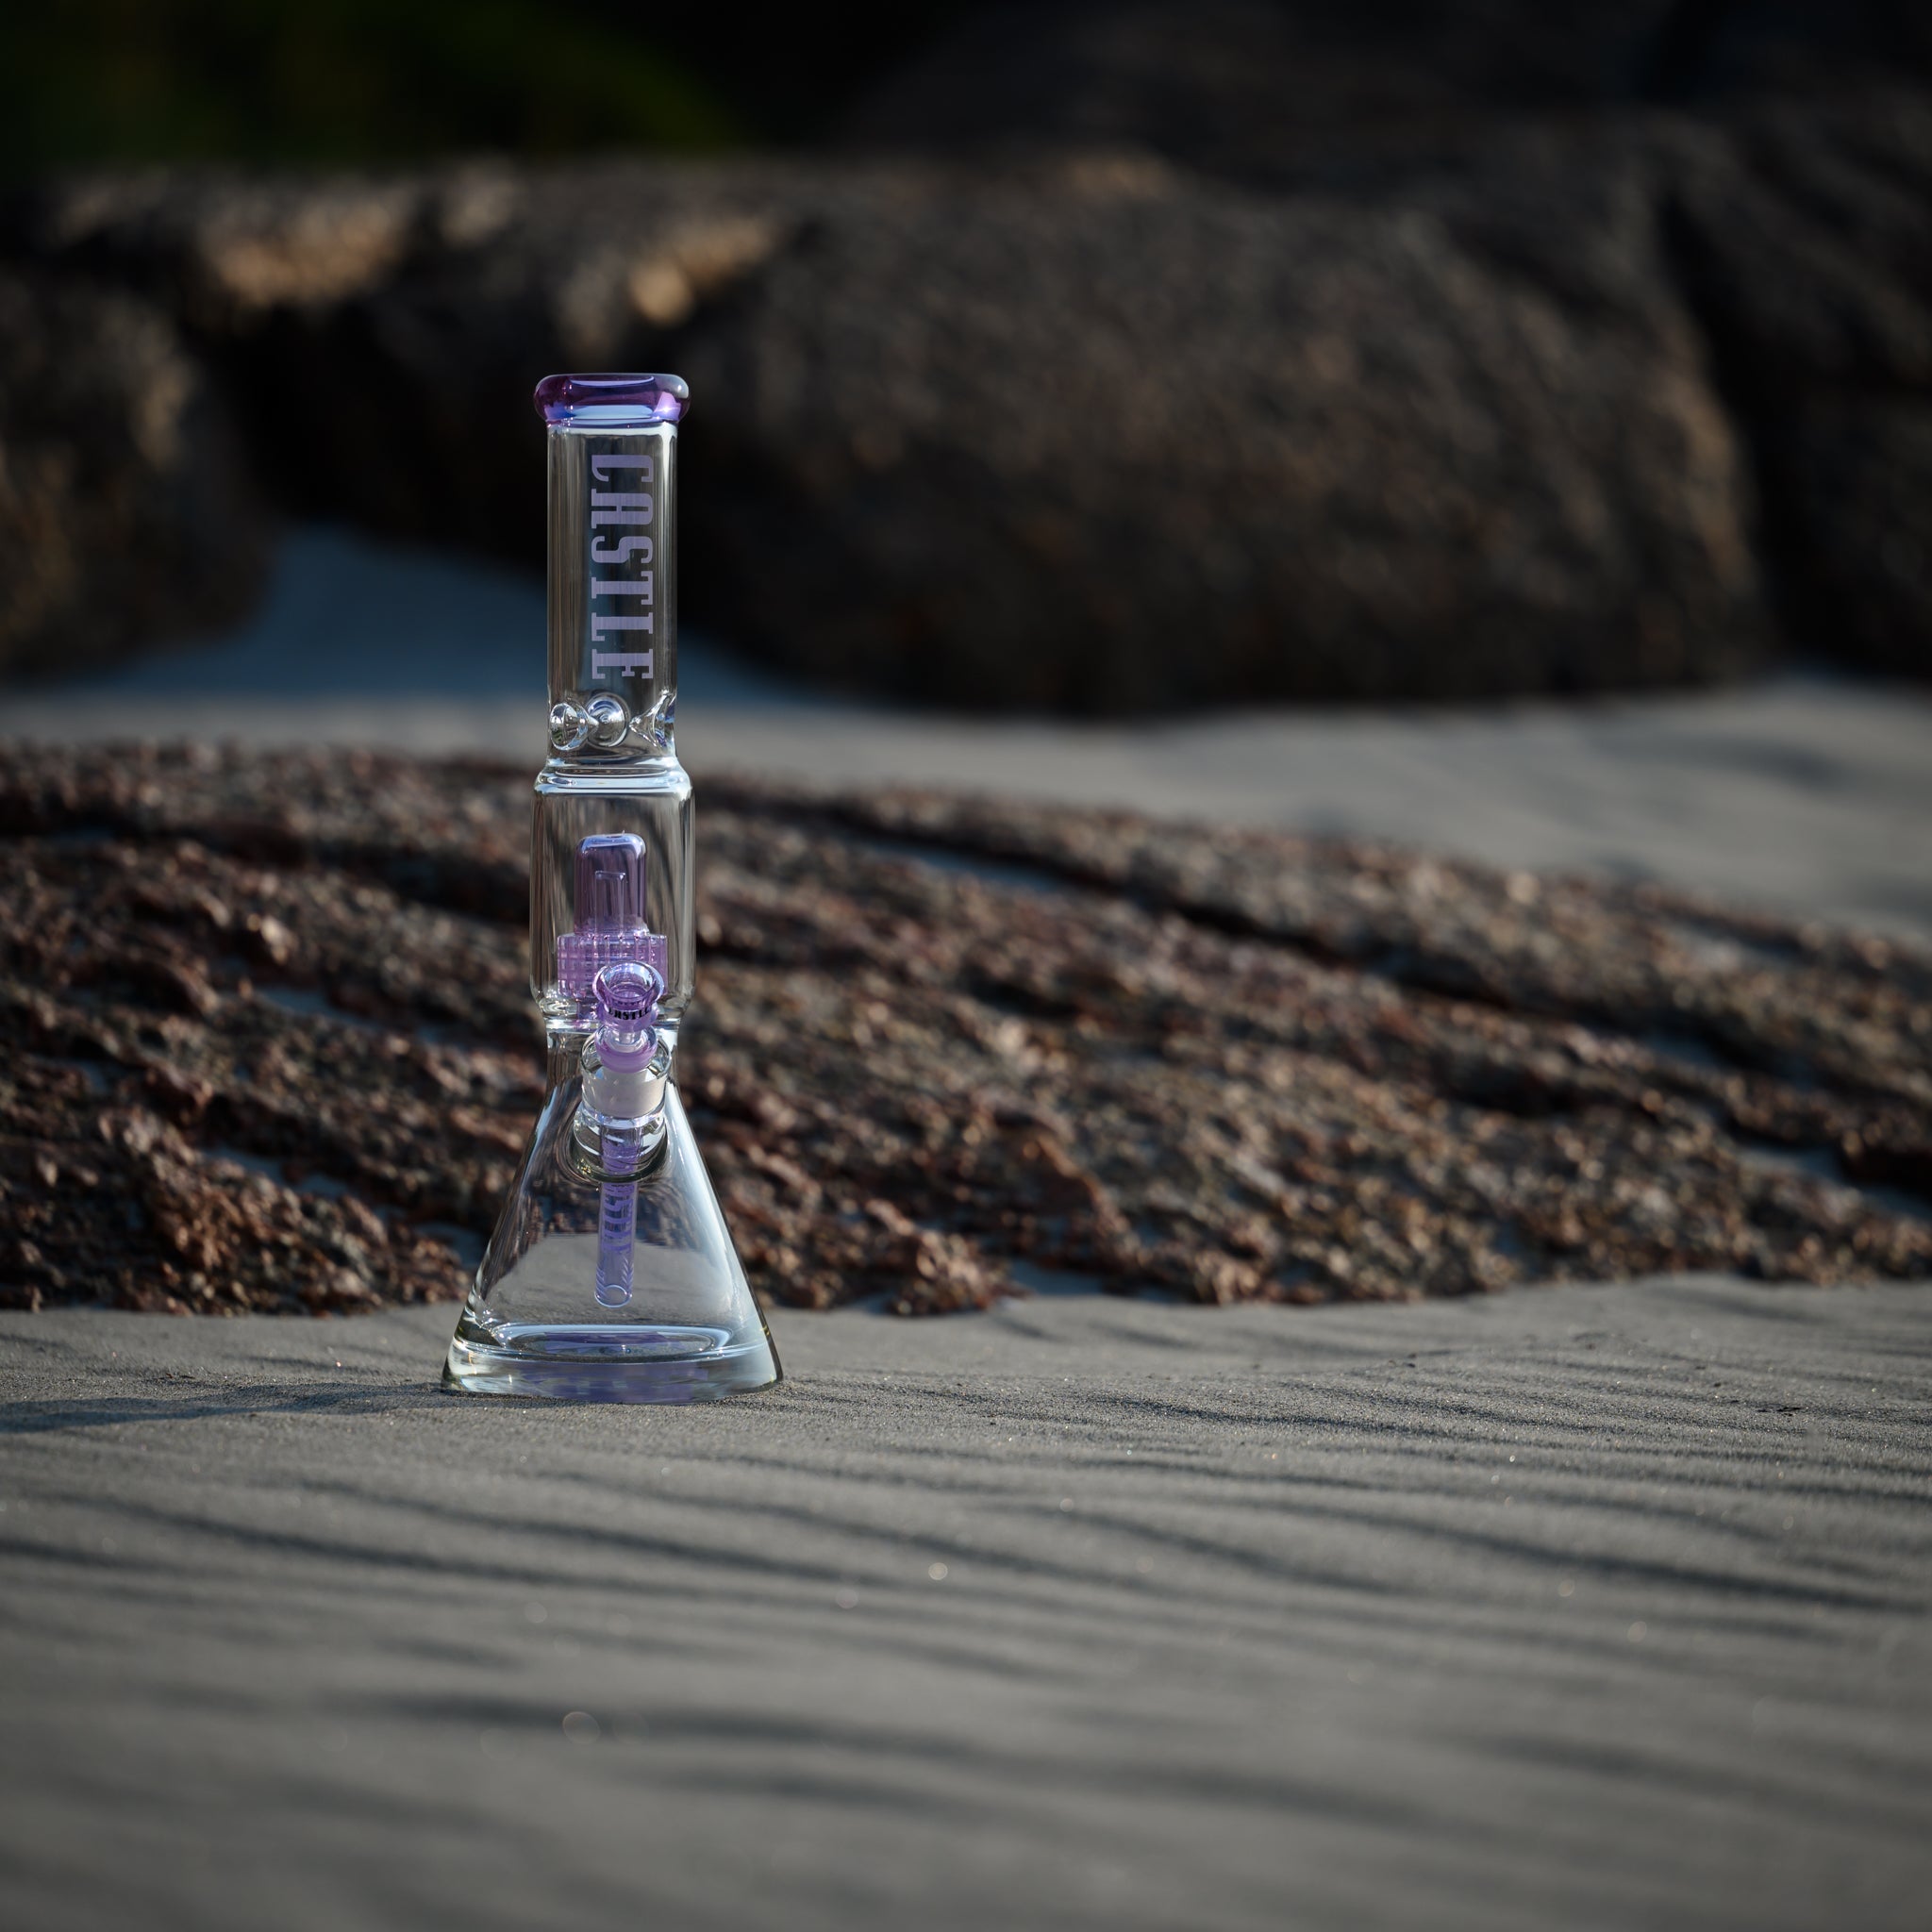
x=975, y=454
x=264, y=1042
x=126, y=510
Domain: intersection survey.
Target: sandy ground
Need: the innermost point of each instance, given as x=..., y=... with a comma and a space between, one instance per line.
x=1804, y=793
x=1580, y=1608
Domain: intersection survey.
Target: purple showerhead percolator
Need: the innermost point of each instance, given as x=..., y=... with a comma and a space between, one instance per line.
x=610, y=882
x=610, y=928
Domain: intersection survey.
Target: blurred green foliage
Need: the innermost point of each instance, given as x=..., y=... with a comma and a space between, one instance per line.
x=280, y=82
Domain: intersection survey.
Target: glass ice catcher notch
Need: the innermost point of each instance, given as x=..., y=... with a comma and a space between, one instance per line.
x=611, y=1277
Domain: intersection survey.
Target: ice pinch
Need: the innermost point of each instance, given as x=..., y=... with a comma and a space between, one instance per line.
x=610, y=1274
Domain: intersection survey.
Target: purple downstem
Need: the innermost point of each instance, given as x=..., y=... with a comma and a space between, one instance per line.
x=617, y=1220
x=626, y=994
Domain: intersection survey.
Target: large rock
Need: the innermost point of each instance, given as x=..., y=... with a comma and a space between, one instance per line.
x=1093, y=435
x=125, y=509
x=266, y=1042
x=1097, y=432
x=1113, y=439
x=1797, y=213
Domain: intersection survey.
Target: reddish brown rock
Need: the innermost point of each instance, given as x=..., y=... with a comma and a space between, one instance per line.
x=266, y=1042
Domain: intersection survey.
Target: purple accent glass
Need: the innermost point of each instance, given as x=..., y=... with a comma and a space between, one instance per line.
x=610, y=914
x=581, y=956
x=611, y=401
x=610, y=882
x=617, y=1220
x=627, y=995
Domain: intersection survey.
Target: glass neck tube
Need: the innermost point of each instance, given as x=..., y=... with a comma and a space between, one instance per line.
x=612, y=787
x=613, y=568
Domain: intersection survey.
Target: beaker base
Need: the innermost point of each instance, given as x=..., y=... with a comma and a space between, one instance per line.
x=585, y=1363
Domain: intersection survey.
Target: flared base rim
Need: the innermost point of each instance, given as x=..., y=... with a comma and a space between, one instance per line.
x=472, y=1369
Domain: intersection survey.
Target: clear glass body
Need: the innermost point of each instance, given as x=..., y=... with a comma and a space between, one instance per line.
x=534, y=1323
x=611, y=608
x=649, y=796
x=611, y=1275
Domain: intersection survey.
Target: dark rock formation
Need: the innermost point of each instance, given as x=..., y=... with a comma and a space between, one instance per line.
x=264, y=1044
x=1804, y=244
x=382, y=335
x=125, y=512
x=1094, y=437
x=1110, y=439
x=1546, y=405
x=1796, y=208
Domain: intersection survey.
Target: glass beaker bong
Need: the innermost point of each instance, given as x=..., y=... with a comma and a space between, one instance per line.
x=611, y=1275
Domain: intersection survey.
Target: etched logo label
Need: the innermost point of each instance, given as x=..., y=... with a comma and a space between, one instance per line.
x=629, y=599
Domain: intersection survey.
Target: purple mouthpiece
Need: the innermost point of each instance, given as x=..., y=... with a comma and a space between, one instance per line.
x=627, y=995
x=613, y=401
x=610, y=928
